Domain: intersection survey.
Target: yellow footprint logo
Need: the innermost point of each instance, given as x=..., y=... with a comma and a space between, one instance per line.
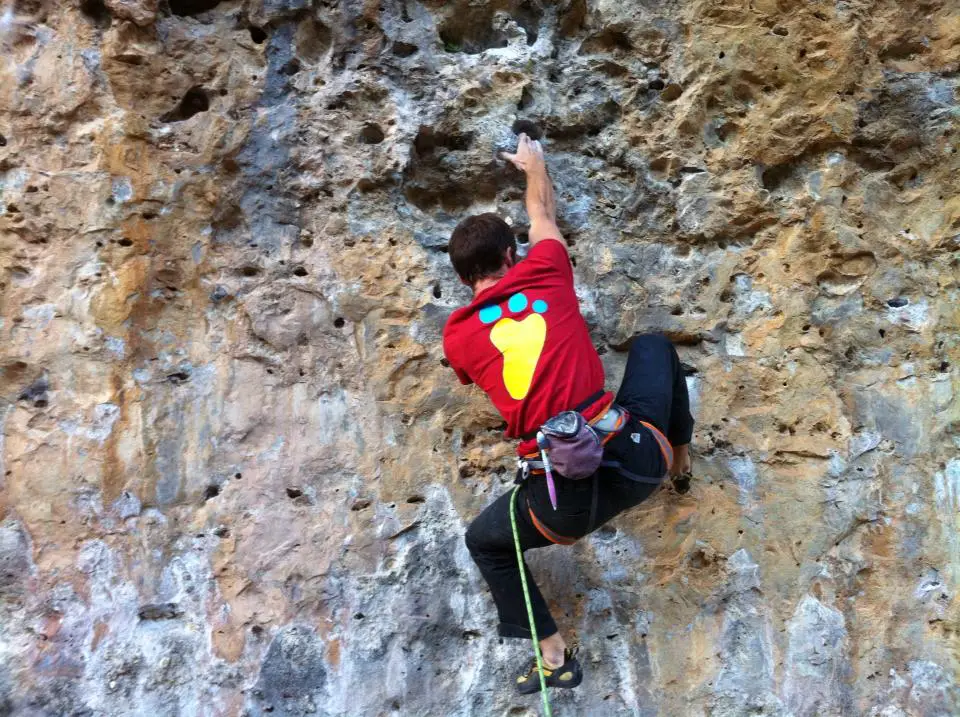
x=520, y=342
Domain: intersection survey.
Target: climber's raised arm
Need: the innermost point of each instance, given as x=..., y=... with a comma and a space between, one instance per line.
x=541, y=206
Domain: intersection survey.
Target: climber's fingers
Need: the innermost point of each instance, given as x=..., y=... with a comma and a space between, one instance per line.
x=512, y=158
x=527, y=149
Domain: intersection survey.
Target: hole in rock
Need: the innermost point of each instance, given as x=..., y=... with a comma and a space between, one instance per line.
x=656, y=85
x=589, y=123
x=608, y=40
x=944, y=366
x=3, y=141
x=300, y=271
x=902, y=50
x=527, y=16
x=897, y=302
x=185, y=8
x=404, y=49
x=294, y=492
x=526, y=99
x=427, y=140
x=125, y=242
x=211, y=491
x=437, y=291
x=371, y=134
x=96, y=11
x=359, y=616
x=339, y=322
x=258, y=34
x=671, y=92
x=178, y=377
x=416, y=499
x=193, y=103
x=882, y=332
x=722, y=54
x=527, y=127
x=781, y=31
x=773, y=177
x=238, y=476
x=444, y=363
x=249, y=271
x=290, y=68
x=471, y=32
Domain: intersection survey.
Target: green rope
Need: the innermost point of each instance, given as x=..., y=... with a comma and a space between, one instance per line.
x=526, y=598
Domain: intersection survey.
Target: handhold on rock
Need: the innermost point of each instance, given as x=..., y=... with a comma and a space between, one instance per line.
x=527, y=127
x=160, y=611
x=36, y=391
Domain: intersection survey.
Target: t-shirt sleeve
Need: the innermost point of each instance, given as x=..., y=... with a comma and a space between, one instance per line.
x=550, y=255
x=462, y=375
x=449, y=355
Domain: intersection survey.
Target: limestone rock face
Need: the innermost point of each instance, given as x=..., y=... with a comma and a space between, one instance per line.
x=234, y=471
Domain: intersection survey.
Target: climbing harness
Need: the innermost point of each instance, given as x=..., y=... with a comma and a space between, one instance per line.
x=530, y=465
x=526, y=599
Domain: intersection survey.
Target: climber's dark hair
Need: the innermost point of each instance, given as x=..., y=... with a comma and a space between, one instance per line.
x=479, y=246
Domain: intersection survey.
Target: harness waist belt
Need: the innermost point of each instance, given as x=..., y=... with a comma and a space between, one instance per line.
x=584, y=404
x=606, y=425
x=532, y=463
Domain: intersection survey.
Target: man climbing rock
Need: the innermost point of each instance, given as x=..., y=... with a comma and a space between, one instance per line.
x=523, y=341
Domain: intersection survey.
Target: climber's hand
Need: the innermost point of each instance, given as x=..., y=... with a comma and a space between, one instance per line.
x=528, y=157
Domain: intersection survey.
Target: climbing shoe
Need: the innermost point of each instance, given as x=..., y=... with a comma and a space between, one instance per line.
x=568, y=674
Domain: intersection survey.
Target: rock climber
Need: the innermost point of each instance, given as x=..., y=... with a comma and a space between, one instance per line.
x=523, y=341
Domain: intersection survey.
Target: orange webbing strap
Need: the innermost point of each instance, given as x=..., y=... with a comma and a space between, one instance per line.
x=546, y=532
x=665, y=448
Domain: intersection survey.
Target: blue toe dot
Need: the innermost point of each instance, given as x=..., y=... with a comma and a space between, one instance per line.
x=517, y=303
x=540, y=306
x=489, y=314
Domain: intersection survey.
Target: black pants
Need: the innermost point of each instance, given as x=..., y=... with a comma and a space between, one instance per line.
x=653, y=390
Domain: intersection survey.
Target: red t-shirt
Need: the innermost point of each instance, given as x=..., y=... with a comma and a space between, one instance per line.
x=524, y=342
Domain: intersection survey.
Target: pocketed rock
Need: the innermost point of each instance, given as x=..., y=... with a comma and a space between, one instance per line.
x=235, y=472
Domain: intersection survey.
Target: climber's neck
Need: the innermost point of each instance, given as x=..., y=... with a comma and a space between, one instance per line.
x=509, y=261
x=488, y=281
